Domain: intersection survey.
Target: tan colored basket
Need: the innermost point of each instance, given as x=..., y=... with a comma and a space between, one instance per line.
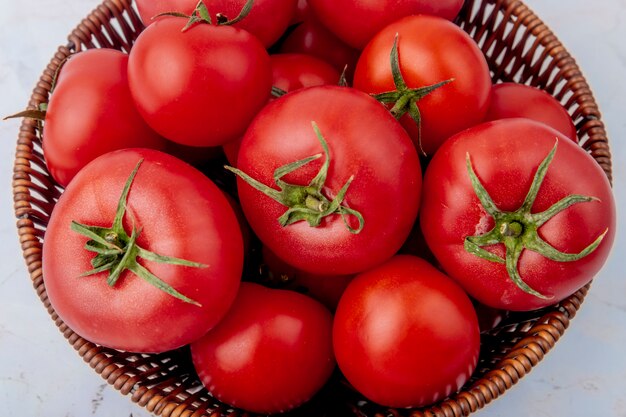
x=518, y=47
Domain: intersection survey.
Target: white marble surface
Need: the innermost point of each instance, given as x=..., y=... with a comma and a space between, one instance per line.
x=41, y=375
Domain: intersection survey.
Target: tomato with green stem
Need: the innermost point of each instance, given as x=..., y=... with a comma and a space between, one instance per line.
x=529, y=215
x=142, y=252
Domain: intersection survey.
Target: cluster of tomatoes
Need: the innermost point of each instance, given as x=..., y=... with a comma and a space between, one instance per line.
x=363, y=114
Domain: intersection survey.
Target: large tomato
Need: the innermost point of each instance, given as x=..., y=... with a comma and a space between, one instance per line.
x=356, y=22
x=272, y=352
x=430, y=51
x=267, y=20
x=517, y=229
x=170, y=210
x=91, y=112
x=405, y=335
x=351, y=206
x=201, y=86
x=510, y=100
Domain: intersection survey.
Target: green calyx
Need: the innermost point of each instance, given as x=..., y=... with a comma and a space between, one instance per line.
x=403, y=98
x=517, y=230
x=117, y=252
x=307, y=202
x=201, y=15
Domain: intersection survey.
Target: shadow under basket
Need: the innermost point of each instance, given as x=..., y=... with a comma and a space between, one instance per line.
x=518, y=47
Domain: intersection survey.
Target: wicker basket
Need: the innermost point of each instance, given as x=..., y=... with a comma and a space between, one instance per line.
x=518, y=47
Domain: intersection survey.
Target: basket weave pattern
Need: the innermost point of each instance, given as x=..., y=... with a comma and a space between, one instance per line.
x=518, y=47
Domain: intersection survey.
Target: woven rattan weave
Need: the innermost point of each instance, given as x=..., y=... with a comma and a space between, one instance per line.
x=518, y=47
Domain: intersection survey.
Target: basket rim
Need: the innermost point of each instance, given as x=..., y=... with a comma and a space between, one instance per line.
x=31, y=214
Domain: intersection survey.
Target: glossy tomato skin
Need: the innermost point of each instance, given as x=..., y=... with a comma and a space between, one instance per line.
x=364, y=141
x=200, y=87
x=405, y=335
x=356, y=22
x=312, y=38
x=431, y=50
x=291, y=72
x=505, y=155
x=179, y=213
x=511, y=100
x=272, y=352
x=267, y=20
x=91, y=112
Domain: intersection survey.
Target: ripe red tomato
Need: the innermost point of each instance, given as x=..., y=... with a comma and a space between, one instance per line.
x=482, y=243
x=271, y=353
x=312, y=38
x=431, y=50
x=91, y=112
x=405, y=335
x=267, y=20
x=291, y=72
x=327, y=289
x=369, y=153
x=187, y=94
x=356, y=22
x=175, y=211
x=519, y=100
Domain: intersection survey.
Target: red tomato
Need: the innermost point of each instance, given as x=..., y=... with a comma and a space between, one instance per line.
x=405, y=335
x=271, y=353
x=326, y=289
x=312, y=38
x=291, y=72
x=431, y=50
x=303, y=12
x=91, y=112
x=267, y=20
x=176, y=212
x=282, y=134
x=188, y=95
x=472, y=238
x=519, y=100
x=356, y=22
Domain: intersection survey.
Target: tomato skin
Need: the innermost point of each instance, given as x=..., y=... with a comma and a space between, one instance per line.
x=356, y=22
x=405, y=335
x=511, y=100
x=91, y=112
x=387, y=169
x=505, y=155
x=179, y=213
x=431, y=50
x=272, y=352
x=291, y=72
x=312, y=38
x=267, y=20
x=188, y=95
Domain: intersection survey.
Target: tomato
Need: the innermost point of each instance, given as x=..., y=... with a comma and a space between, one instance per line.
x=336, y=219
x=291, y=72
x=519, y=100
x=356, y=22
x=91, y=112
x=312, y=38
x=430, y=51
x=267, y=20
x=171, y=210
x=271, y=353
x=482, y=242
x=303, y=12
x=325, y=289
x=405, y=335
x=201, y=86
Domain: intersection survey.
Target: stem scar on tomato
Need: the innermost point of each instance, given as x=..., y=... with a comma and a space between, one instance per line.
x=517, y=230
x=403, y=98
x=306, y=202
x=117, y=252
x=201, y=15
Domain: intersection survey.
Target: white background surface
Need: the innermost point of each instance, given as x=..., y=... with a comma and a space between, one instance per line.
x=41, y=375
